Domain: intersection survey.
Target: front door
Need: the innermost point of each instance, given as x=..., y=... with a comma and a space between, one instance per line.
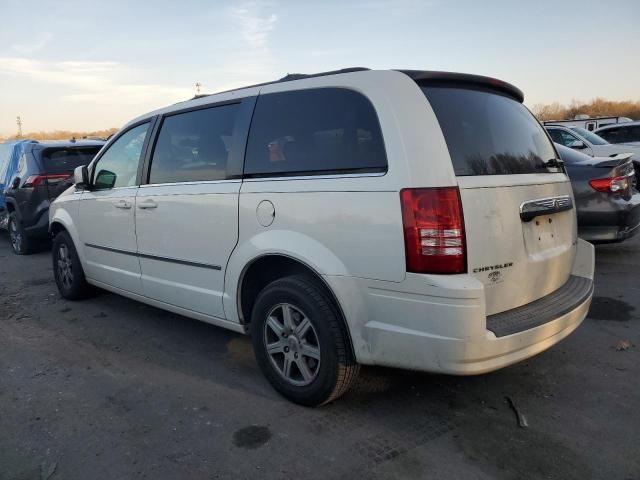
x=107, y=214
x=187, y=214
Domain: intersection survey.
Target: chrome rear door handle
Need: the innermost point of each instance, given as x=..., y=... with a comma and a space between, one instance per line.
x=122, y=204
x=544, y=206
x=147, y=204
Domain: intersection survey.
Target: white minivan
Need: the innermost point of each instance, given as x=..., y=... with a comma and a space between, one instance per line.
x=412, y=219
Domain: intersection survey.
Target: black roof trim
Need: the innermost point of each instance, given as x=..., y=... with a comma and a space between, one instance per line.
x=289, y=77
x=453, y=77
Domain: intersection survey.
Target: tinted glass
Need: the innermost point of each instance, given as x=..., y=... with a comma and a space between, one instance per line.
x=590, y=136
x=317, y=131
x=63, y=160
x=563, y=137
x=118, y=166
x=613, y=135
x=194, y=146
x=634, y=134
x=488, y=133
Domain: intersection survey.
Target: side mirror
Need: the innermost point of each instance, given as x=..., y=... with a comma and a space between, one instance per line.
x=104, y=180
x=81, y=176
x=577, y=144
x=15, y=183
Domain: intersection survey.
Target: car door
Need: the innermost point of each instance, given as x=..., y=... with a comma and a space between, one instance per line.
x=107, y=215
x=187, y=213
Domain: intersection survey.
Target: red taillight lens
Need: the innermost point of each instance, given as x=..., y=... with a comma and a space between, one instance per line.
x=433, y=230
x=610, y=185
x=36, y=180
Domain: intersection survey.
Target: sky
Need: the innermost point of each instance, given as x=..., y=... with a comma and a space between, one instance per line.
x=89, y=65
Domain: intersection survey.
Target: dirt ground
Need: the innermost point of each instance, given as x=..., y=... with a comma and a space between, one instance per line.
x=111, y=389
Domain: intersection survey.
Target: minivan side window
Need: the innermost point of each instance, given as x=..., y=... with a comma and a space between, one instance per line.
x=118, y=166
x=314, y=132
x=194, y=146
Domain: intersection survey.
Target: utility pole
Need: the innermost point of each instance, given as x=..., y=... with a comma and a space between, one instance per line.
x=198, y=85
x=19, y=123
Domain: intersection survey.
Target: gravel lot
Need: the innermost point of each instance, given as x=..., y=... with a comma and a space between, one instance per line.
x=111, y=389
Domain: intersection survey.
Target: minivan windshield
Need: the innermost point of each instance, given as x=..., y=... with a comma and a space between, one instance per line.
x=591, y=137
x=65, y=159
x=489, y=133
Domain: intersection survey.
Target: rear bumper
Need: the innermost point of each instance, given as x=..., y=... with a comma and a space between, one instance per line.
x=603, y=234
x=611, y=220
x=447, y=333
x=41, y=228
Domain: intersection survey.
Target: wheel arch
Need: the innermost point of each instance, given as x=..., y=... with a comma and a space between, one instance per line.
x=61, y=220
x=268, y=267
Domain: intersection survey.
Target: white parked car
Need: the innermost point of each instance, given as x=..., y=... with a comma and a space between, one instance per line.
x=411, y=219
x=588, y=143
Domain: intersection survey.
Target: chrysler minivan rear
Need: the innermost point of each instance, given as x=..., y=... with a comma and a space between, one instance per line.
x=495, y=271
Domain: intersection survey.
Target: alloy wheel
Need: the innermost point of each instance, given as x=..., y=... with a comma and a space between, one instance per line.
x=65, y=267
x=292, y=344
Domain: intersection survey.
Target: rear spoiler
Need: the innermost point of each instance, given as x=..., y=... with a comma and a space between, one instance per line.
x=612, y=161
x=465, y=78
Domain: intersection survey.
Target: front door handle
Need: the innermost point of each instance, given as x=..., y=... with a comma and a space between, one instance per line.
x=147, y=204
x=122, y=204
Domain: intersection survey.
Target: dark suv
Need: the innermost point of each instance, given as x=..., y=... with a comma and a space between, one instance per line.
x=33, y=174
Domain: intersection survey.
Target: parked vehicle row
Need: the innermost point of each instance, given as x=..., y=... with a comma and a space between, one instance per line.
x=606, y=195
x=589, y=143
x=588, y=123
x=412, y=219
x=33, y=174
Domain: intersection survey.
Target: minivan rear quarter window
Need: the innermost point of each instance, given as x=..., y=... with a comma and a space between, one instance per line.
x=489, y=133
x=314, y=132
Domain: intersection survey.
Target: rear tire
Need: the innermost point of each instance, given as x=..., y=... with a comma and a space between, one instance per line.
x=301, y=343
x=67, y=269
x=21, y=244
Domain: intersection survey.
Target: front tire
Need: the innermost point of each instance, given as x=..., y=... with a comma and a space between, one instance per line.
x=21, y=244
x=67, y=269
x=301, y=343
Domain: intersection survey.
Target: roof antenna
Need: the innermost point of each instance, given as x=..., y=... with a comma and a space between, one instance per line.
x=198, y=85
x=19, y=123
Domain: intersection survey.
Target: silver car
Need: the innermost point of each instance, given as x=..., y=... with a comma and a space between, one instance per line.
x=588, y=142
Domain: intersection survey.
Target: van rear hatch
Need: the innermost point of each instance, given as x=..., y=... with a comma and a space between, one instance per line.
x=516, y=199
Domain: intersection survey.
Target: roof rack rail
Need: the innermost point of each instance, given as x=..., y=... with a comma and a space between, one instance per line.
x=289, y=77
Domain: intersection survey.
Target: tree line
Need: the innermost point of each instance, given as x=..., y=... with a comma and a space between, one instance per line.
x=62, y=135
x=598, y=107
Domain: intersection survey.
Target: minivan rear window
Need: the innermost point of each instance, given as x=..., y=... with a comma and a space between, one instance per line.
x=314, y=132
x=65, y=160
x=489, y=133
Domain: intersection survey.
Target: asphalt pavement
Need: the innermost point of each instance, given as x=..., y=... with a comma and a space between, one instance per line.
x=108, y=388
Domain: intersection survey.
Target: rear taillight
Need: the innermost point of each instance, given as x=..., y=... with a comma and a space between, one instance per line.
x=610, y=185
x=36, y=180
x=433, y=230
